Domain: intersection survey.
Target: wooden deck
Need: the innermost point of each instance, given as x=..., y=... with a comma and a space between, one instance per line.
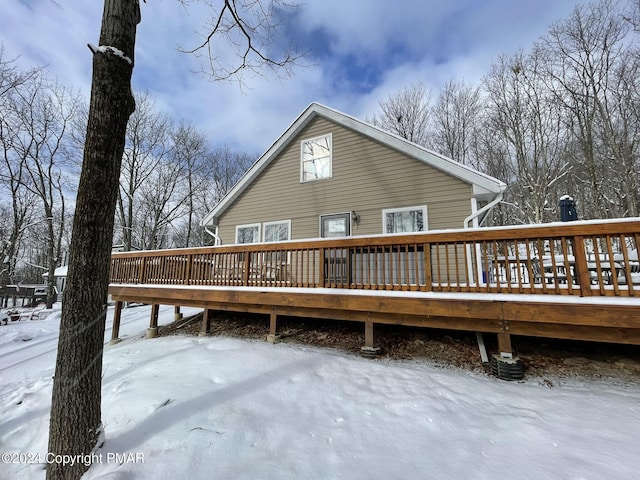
x=577, y=280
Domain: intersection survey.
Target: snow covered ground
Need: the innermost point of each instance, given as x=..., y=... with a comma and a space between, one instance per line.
x=222, y=408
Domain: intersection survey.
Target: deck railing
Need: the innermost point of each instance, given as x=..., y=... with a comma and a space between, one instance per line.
x=598, y=258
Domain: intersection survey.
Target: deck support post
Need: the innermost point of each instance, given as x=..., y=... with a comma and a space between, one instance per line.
x=152, y=331
x=273, y=326
x=504, y=345
x=115, y=328
x=369, y=349
x=368, y=334
x=205, y=329
x=504, y=365
x=177, y=315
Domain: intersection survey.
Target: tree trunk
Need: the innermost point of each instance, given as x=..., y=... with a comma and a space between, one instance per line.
x=52, y=263
x=75, y=425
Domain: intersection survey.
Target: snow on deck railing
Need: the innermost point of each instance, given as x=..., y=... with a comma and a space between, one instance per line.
x=580, y=258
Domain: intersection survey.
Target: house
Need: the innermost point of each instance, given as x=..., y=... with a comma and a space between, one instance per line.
x=60, y=277
x=332, y=175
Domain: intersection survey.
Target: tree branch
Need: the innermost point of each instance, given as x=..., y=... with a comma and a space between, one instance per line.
x=250, y=27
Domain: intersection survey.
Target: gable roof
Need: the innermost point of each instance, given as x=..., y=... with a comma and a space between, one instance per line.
x=484, y=186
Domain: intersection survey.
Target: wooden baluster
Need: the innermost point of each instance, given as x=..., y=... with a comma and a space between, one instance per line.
x=613, y=273
x=322, y=270
x=582, y=271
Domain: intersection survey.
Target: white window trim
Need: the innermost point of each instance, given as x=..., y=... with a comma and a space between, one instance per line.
x=330, y=136
x=404, y=209
x=248, y=225
x=277, y=222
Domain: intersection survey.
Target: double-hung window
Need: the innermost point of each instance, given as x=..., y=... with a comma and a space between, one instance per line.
x=405, y=220
x=248, y=233
x=316, y=158
x=277, y=231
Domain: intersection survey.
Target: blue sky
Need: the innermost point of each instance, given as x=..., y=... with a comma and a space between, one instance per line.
x=360, y=52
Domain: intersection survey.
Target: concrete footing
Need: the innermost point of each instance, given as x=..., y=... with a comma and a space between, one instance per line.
x=152, y=332
x=114, y=341
x=273, y=338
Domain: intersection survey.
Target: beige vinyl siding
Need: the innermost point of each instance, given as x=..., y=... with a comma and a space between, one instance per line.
x=367, y=177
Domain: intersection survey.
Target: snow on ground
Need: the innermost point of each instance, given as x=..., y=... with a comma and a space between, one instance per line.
x=222, y=408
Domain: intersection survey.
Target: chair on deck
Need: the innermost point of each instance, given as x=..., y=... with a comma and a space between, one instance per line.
x=634, y=270
x=536, y=270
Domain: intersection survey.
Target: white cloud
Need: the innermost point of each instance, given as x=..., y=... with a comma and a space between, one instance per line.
x=54, y=34
x=392, y=43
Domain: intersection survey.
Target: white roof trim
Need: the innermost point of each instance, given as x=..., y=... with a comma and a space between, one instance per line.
x=482, y=184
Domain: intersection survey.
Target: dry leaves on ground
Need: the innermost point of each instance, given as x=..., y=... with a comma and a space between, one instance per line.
x=547, y=359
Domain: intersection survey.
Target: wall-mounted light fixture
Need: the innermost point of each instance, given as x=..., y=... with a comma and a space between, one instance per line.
x=355, y=217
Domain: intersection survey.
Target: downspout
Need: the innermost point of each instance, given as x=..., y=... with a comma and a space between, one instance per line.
x=486, y=208
x=467, y=221
x=215, y=236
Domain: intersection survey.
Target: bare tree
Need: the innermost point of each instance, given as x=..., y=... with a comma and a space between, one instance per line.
x=75, y=425
x=530, y=124
x=162, y=202
x=147, y=145
x=489, y=145
x=581, y=52
x=622, y=132
x=16, y=219
x=632, y=15
x=406, y=113
x=33, y=130
x=455, y=117
x=21, y=208
x=18, y=212
x=44, y=115
x=250, y=27
x=226, y=166
x=189, y=150
x=208, y=178
x=10, y=76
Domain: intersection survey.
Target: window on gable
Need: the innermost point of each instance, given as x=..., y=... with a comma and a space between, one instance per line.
x=277, y=231
x=248, y=233
x=316, y=158
x=404, y=220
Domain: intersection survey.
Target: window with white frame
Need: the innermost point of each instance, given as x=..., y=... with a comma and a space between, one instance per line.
x=404, y=220
x=315, y=162
x=248, y=233
x=277, y=231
